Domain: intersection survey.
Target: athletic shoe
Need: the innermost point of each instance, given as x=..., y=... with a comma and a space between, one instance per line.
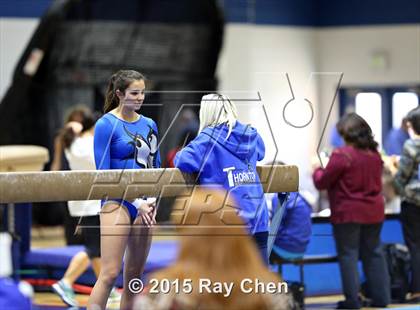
x=66, y=293
x=114, y=300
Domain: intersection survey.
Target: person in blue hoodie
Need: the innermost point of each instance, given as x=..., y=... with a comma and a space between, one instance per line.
x=295, y=228
x=225, y=153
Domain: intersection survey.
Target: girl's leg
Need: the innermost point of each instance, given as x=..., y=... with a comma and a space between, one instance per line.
x=63, y=288
x=78, y=264
x=138, y=247
x=115, y=230
x=96, y=266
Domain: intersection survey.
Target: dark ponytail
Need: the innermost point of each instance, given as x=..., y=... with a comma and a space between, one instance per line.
x=111, y=100
x=67, y=136
x=119, y=81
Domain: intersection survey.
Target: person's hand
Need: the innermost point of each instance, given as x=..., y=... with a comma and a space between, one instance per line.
x=393, y=164
x=320, y=161
x=152, y=203
x=76, y=126
x=315, y=163
x=146, y=211
x=148, y=219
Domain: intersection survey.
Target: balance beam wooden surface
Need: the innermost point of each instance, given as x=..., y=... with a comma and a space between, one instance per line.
x=19, y=187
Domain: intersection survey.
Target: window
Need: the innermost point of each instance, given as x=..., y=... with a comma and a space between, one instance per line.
x=402, y=103
x=369, y=106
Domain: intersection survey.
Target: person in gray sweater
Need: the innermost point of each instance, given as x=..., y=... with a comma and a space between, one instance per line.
x=407, y=184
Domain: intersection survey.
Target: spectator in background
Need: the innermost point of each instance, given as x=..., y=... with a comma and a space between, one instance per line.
x=189, y=119
x=395, y=139
x=57, y=212
x=407, y=184
x=77, y=114
x=188, y=127
x=218, y=252
x=186, y=136
x=352, y=178
x=59, y=162
x=295, y=228
x=77, y=139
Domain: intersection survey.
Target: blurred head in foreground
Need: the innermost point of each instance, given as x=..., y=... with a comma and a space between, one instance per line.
x=214, y=246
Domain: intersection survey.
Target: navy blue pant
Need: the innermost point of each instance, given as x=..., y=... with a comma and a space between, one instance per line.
x=410, y=219
x=261, y=239
x=358, y=240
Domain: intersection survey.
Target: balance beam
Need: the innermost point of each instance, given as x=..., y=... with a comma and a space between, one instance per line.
x=20, y=187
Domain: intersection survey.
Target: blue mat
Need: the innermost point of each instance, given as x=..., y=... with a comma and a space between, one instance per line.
x=51, y=263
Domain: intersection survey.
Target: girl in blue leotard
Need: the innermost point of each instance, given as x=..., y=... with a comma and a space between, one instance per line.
x=124, y=140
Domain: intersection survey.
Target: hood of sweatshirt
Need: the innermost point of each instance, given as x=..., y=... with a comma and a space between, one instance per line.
x=242, y=141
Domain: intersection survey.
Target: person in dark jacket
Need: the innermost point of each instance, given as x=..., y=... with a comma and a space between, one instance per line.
x=225, y=153
x=352, y=178
x=407, y=185
x=295, y=228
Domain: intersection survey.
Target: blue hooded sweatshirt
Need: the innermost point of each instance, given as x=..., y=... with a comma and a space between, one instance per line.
x=295, y=229
x=230, y=163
